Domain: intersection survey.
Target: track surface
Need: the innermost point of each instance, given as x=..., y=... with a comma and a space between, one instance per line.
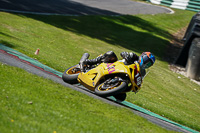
x=14, y=60
x=81, y=7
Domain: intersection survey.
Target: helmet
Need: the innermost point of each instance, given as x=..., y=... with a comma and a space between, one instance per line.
x=146, y=60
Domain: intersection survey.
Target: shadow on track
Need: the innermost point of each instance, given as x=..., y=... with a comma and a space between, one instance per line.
x=51, y=6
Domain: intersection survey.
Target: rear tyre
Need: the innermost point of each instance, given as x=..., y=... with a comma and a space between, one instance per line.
x=71, y=74
x=106, y=90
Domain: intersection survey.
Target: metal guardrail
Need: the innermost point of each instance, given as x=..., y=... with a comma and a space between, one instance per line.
x=192, y=5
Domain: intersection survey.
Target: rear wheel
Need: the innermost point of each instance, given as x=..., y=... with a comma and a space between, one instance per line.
x=111, y=88
x=71, y=74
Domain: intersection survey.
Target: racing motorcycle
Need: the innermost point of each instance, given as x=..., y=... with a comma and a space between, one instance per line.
x=106, y=79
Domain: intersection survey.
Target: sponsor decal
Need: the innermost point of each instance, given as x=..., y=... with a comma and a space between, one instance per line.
x=111, y=67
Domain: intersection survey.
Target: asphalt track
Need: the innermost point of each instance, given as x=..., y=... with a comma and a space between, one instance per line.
x=11, y=57
x=81, y=7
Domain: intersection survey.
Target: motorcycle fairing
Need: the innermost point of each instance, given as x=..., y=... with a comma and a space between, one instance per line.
x=91, y=78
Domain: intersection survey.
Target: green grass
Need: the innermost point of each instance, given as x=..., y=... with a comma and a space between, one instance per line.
x=63, y=40
x=60, y=37
x=32, y=104
x=172, y=97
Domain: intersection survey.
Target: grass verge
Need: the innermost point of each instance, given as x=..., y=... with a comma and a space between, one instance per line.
x=63, y=40
x=32, y=104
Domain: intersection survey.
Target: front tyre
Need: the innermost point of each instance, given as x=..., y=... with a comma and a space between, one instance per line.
x=71, y=74
x=104, y=89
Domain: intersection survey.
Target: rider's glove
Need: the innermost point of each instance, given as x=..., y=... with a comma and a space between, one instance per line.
x=124, y=55
x=129, y=57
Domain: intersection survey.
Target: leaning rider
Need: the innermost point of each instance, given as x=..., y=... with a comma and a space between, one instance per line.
x=146, y=59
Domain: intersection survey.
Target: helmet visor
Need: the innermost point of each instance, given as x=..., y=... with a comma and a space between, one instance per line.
x=147, y=62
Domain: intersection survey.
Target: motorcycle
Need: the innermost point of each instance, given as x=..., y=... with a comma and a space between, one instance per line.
x=106, y=79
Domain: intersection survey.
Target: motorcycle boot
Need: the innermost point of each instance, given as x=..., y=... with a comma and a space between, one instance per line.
x=82, y=62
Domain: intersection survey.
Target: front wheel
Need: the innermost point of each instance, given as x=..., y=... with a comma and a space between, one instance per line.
x=71, y=74
x=108, y=88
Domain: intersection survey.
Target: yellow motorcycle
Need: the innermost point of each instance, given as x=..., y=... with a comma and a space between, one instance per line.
x=106, y=79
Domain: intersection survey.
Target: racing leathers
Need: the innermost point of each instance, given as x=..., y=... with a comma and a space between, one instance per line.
x=110, y=57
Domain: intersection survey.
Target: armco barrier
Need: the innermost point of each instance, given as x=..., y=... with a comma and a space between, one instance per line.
x=192, y=5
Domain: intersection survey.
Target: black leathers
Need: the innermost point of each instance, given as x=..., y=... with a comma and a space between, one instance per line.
x=110, y=57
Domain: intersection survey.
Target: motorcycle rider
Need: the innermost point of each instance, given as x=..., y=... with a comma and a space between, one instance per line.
x=146, y=59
